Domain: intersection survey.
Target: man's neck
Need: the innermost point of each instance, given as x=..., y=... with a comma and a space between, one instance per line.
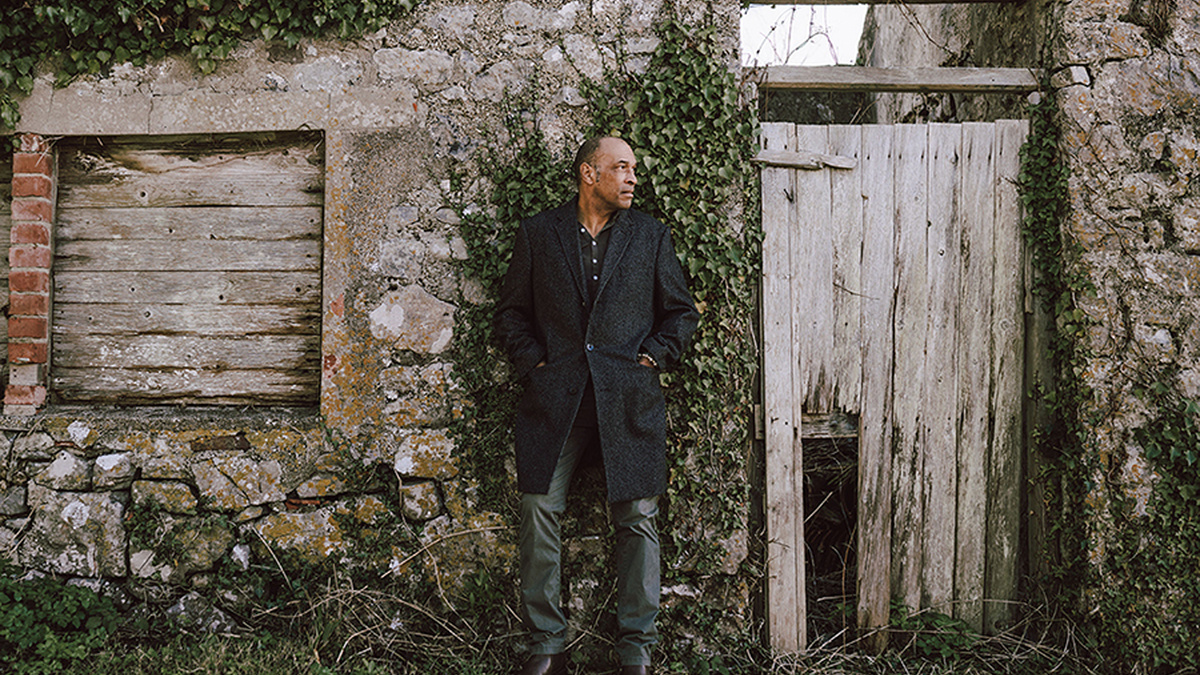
x=592, y=217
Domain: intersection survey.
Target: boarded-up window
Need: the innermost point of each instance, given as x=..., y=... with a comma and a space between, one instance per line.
x=188, y=270
x=6, y=167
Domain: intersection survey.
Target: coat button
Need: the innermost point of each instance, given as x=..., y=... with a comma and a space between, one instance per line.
x=590, y=347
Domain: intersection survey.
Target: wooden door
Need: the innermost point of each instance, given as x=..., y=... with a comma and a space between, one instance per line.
x=894, y=291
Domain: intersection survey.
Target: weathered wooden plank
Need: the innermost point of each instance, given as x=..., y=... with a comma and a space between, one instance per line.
x=786, y=621
x=847, y=207
x=135, y=319
x=199, y=256
x=909, y=329
x=125, y=386
x=207, y=223
x=975, y=367
x=939, y=389
x=1004, y=459
x=157, y=352
x=834, y=424
x=804, y=159
x=812, y=275
x=875, y=429
x=863, y=78
x=172, y=288
x=130, y=176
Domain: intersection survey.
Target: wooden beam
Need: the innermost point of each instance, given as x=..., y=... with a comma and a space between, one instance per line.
x=863, y=78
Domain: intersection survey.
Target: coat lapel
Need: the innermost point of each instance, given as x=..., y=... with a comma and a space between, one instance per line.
x=567, y=229
x=618, y=242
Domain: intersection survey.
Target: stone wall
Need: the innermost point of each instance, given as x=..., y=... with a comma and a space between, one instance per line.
x=157, y=498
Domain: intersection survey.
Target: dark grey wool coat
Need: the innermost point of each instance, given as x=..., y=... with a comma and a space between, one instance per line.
x=642, y=306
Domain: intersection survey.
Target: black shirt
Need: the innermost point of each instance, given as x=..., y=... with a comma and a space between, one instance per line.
x=591, y=257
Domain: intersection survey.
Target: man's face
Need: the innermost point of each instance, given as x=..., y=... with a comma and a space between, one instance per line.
x=613, y=171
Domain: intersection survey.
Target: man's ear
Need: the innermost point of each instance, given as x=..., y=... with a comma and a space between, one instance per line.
x=588, y=173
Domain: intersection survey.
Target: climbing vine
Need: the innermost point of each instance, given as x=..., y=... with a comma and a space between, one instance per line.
x=1058, y=284
x=693, y=139
x=91, y=36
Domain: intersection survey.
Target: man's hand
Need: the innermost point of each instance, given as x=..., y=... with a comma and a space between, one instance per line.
x=645, y=361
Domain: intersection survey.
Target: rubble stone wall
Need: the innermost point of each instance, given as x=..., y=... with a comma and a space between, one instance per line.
x=158, y=496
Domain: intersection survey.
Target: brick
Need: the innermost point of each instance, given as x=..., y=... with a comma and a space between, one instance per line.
x=30, y=233
x=27, y=327
x=29, y=256
x=32, y=208
x=34, y=143
x=27, y=352
x=23, y=394
x=31, y=185
x=29, y=281
x=26, y=162
x=29, y=304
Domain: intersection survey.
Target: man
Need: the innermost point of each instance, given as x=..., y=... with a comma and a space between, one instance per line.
x=593, y=305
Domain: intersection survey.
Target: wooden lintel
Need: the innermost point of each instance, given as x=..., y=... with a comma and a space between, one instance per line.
x=870, y=79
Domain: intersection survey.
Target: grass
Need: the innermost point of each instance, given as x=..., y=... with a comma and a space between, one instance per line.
x=348, y=631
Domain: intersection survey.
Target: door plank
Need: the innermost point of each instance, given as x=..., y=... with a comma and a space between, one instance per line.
x=939, y=389
x=786, y=621
x=847, y=202
x=131, y=387
x=296, y=289
x=134, y=319
x=208, y=223
x=142, y=256
x=257, y=352
x=911, y=319
x=975, y=367
x=130, y=176
x=812, y=281
x=1008, y=319
x=875, y=527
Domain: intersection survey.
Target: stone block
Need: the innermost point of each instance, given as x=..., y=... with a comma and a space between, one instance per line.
x=233, y=482
x=12, y=501
x=165, y=467
x=321, y=485
x=142, y=564
x=76, y=533
x=66, y=472
x=428, y=453
x=425, y=67
x=420, y=501
x=313, y=536
x=113, y=471
x=35, y=446
x=1186, y=216
x=412, y=319
x=170, y=496
x=202, y=544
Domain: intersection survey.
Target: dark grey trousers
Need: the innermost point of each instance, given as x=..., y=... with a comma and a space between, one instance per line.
x=638, y=564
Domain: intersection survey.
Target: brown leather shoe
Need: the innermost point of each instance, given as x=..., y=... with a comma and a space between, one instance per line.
x=636, y=670
x=545, y=664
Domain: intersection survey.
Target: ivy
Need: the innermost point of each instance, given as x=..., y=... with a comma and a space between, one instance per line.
x=693, y=139
x=83, y=37
x=1058, y=283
